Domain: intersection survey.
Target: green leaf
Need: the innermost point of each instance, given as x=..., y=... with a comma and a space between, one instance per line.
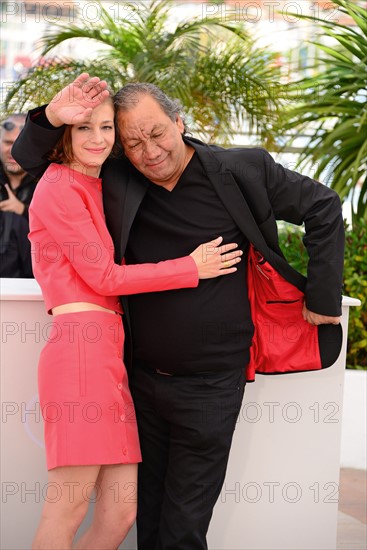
x=332, y=106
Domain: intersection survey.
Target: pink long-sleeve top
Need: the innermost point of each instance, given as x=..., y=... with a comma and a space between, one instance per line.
x=73, y=253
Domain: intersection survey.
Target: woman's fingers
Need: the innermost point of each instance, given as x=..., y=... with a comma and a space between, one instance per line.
x=227, y=247
x=94, y=86
x=213, y=260
x=91, y=83
x=91, y=87
x=229, y=256
x=81, y=79
x=228, y=266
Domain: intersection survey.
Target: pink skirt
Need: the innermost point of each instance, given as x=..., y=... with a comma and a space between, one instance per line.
x=88, y=413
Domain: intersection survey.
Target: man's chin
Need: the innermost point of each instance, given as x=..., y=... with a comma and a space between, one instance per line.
x=157, y=171
x=14, y=169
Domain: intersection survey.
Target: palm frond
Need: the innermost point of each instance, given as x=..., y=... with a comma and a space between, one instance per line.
x=221, y=77
x=333, y=106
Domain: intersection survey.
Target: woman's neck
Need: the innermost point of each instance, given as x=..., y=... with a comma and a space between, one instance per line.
x=92, y=171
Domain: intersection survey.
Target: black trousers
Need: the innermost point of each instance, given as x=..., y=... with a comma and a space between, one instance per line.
x=186, y=425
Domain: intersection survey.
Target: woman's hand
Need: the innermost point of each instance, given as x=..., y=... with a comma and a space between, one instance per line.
x=213, y=260
x=75, y=103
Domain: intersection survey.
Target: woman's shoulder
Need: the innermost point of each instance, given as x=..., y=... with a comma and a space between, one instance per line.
x=54, y=172
x=55, y=182
x=58, y=192
x=62, y=175
x=57, y=171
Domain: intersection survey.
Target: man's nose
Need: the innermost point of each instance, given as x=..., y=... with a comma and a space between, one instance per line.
x=151, y=149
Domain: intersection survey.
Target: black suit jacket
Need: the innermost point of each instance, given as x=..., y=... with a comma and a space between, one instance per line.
x=255, y=190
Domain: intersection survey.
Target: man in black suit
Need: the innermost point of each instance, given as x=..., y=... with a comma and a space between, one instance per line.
x=190, y=347
x=16, y=191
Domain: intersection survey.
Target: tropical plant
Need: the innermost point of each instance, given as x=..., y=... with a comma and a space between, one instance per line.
x=213, y=67
x=332, y=109
x=355, y=285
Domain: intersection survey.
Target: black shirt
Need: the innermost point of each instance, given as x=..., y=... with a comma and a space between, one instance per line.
x=15, y=248
x=189, y=330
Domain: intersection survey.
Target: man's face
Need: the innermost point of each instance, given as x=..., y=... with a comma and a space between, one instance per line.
x=153, y=142
x=9, y=131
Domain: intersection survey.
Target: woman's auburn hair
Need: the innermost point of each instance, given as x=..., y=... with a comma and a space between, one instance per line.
x=63, y=151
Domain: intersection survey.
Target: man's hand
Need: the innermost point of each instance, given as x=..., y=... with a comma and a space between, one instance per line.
x=12, y=204
x=75, y=103
x=317, y=319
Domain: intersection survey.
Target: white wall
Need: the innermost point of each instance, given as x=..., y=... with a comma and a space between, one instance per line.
x=281, y=489
x=354, y=436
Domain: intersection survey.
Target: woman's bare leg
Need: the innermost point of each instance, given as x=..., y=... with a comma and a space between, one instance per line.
x=114, y=510
x=68, y=494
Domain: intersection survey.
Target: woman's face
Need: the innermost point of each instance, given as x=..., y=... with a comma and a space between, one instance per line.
x=92, y=141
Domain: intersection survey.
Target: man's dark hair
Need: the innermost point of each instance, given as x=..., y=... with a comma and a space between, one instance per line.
x=128, y=96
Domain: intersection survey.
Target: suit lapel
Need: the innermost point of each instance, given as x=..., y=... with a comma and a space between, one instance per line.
x=123, y=191
x=136, y=189
x=231, y=196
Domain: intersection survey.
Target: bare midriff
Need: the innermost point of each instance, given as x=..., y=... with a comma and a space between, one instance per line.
x=74, y=307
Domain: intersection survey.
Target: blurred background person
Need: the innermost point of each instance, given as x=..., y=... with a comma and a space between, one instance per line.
x=16, y=192
x=15, y=248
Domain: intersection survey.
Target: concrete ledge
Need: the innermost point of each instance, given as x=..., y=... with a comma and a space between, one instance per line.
x=354, y=434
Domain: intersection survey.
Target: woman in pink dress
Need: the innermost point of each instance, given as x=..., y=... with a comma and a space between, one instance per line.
x=91, y=437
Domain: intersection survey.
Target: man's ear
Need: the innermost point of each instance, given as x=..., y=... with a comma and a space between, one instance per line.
x=180, y=124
